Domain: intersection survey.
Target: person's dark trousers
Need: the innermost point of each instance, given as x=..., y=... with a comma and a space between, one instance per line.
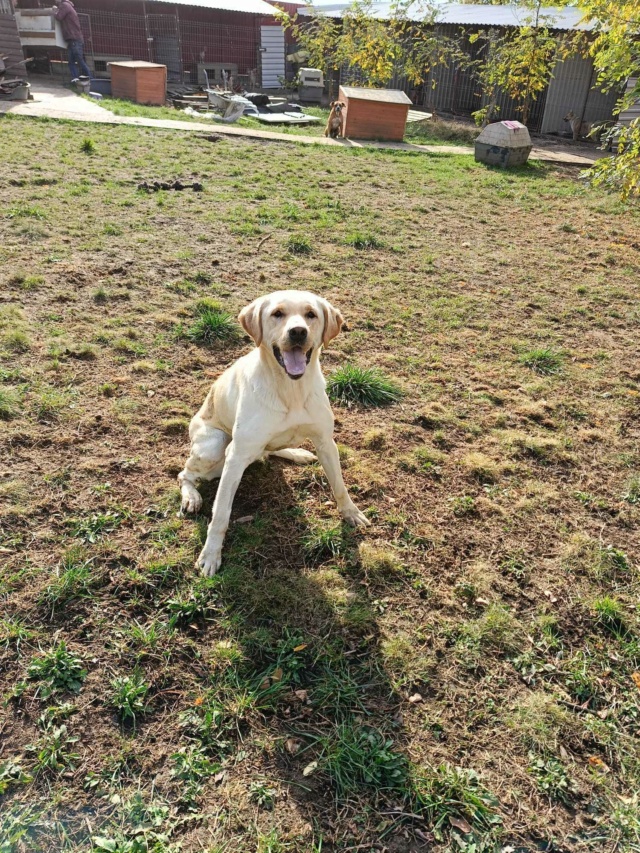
x=75, y=51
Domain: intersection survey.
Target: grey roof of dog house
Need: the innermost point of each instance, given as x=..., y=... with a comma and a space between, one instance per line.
x=388, y=96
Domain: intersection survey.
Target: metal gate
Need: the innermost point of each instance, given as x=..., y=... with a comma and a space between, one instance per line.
x=164, y=35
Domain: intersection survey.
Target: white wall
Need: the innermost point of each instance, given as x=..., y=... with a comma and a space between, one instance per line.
x=272, y=53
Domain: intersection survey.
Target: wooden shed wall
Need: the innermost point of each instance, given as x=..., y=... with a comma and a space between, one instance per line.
x=10, y=41
x=375, y=120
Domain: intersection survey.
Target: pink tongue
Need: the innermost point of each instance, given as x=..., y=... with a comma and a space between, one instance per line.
x=295, y=361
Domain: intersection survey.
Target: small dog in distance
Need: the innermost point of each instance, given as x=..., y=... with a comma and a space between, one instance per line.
x=578, y=128
x=334, y=122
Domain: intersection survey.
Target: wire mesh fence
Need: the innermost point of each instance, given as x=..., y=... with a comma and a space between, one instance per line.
x=184, y=45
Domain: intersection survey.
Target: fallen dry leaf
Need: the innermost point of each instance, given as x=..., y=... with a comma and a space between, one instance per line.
x=552, y=598
x=635, y=677
x=302, y=695
x=277, y=674
x=300, y=647
x=598, y=763
x=308, y=770
x=415, y=698
x=292, y=745
x=461, y=824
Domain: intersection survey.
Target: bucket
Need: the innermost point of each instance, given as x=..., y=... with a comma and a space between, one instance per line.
x=19, y=93
x=83, y=85
x=101, y=86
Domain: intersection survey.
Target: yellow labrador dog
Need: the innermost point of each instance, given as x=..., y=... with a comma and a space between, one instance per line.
x=268, y=402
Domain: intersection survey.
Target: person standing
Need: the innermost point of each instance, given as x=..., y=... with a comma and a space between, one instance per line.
x=65, y=12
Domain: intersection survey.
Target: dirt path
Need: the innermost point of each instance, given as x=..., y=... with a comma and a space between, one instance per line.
x=54, y=101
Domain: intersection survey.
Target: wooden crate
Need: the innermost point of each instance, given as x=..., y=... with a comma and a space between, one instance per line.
x=374, y=113
x=142, y=82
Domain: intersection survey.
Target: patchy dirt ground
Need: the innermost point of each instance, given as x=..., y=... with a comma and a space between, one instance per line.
x=463, y=675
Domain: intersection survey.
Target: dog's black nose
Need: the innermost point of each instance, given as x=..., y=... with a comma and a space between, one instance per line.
x=298, y=335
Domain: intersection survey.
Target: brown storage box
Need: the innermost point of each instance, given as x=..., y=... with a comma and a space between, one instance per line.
x=142, y=82
x=374, y=113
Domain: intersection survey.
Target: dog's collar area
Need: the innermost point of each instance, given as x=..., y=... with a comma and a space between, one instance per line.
x=296, y=361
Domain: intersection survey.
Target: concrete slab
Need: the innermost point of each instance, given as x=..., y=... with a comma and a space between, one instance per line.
x=53, y=100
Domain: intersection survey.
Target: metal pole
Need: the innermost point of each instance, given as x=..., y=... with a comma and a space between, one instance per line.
x=586, y=100
x=179, y=35
x=147, y=32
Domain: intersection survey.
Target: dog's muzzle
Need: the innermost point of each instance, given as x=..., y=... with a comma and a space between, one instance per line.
x=294, y=360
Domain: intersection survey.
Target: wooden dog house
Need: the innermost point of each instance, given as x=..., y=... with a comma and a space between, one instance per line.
x=374, y=113
x=142, y=82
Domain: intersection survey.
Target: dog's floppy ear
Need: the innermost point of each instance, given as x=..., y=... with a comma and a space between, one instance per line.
x=333, y=321
x=251, y=319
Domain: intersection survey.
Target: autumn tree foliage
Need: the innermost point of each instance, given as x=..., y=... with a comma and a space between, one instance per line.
x=616, y=56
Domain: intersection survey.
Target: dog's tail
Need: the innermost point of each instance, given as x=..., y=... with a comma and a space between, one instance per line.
x=300, y=457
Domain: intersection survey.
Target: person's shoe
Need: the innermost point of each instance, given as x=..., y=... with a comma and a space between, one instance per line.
x=75, y=80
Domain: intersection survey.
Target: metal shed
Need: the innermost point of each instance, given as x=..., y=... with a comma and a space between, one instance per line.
x=452, y=88
x=632, y=113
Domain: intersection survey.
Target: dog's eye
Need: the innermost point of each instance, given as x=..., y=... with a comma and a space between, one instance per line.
x=311, y=315
x=277, y=314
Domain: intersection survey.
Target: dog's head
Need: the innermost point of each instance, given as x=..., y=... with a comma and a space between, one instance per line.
x=290, y=325
x=570, y=116
x=337, y=107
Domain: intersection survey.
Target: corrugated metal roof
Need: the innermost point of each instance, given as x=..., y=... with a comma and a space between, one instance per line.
x=468, y=14
x=251, y=7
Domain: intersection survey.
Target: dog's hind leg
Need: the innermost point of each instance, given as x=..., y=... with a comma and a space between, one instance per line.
x=300, y=457
x=205, y=462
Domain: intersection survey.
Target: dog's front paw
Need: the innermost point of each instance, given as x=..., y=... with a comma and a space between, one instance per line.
x=191, y=499
x=354, y=517
x=209, y=561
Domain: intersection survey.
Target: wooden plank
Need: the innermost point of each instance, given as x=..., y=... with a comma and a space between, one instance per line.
x=10, y=47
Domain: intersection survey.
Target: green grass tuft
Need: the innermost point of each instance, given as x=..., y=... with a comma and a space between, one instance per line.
x=128, y=695
x=632, y=492
x=323, y=542
x=544, y=361
x=212, y=324
x=58, y=671
x=354, y=756
x=363, y=386
x=297, y=245
x=361, y=240
x=609, y=615
x=449, y=795
x=9, y=404
x=551, y=778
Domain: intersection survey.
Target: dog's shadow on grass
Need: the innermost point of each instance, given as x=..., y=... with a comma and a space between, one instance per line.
x=302, y=643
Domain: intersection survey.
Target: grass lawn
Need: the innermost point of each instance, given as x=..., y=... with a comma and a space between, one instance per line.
x=429, y=132
x=461, y=676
